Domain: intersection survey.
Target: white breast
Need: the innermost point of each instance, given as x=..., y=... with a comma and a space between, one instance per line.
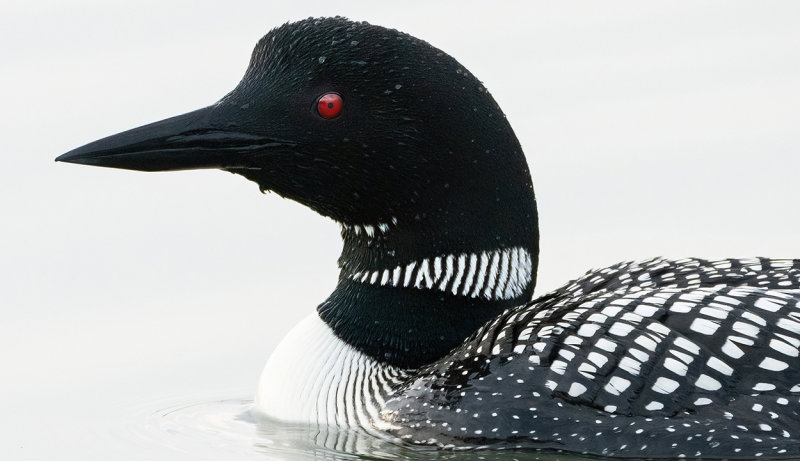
x=314, y=377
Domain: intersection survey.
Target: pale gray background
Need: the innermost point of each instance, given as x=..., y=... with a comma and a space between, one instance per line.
x=651, y=128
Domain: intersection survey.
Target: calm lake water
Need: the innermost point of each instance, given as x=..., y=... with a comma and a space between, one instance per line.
x=230, y=429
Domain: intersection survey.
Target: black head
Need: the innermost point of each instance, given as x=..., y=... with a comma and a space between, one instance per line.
x=418, y=142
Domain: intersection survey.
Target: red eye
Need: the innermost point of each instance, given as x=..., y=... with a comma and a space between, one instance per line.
x=329, y=105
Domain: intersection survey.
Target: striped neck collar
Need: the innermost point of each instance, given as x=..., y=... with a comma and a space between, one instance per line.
x=406, y=300
x=498, y=274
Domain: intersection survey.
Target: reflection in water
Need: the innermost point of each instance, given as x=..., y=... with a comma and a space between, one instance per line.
x=231, y=429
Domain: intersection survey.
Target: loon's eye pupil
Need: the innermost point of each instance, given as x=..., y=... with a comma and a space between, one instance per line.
x=329, y=105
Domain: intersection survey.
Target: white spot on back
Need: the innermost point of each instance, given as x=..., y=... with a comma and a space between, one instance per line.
x=620, y=329
x=767, y=304
x=665, y=385
x=652, y=406
x=704, y=326
x=708, y=383
x=576, y=389
x=772, y=364
x=617, y=385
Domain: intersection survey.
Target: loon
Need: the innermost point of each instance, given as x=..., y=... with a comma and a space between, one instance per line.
x=431, y=337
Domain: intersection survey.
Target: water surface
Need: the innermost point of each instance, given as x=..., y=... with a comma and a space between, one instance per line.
x=231, y=429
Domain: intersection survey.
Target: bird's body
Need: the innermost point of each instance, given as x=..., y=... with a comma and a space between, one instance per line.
x=624, y=361
x=660, y=358
x=430, y=336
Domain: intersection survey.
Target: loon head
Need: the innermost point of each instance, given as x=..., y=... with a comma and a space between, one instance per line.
x=393, y=139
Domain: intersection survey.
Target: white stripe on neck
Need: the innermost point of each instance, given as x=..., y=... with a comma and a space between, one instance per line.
x=497, y=274
x=314, y=377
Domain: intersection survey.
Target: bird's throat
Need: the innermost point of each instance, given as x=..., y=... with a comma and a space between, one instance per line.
x=407, y=308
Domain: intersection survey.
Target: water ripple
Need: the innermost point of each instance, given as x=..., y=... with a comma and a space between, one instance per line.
x=230, y=428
